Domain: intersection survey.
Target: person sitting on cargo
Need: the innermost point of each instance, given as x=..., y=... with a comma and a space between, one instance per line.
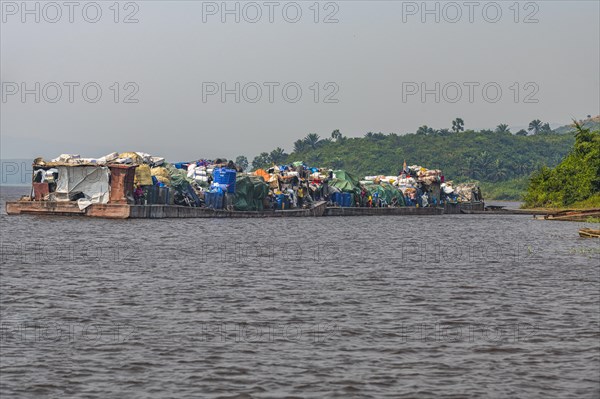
x=138, y=194
x=325, y=190
x=300, y=196
x=363, y=196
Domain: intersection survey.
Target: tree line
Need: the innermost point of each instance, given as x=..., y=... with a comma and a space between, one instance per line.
x=463, y=154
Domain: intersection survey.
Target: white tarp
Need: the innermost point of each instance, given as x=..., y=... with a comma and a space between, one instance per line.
x=91, y=181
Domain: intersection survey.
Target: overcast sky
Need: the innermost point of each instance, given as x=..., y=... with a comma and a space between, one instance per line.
x=363, y=73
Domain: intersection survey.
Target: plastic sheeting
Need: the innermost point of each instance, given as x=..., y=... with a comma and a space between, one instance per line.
x=386, y=192
x=249, y=193
x=143, y=175
x=90, y=181
x=343, y=175
x=344, y=186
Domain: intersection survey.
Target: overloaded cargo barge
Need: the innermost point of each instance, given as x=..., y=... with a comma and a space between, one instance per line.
x=126, y=211
x=137, y=185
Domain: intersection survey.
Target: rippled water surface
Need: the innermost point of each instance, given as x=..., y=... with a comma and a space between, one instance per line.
x=459, y=305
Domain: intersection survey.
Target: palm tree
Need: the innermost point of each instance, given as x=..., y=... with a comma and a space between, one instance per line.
x=316, y=158
x=278, y=155
x=312, y=140
x=535, y=125
x=499, y=172
x=426, y=130
x=337, y=163
x=261, y=161
x=502, y=128
x=521, y=168
x=458, y=125
x=468, y=168
x=299, y=145
x=546, y=128
x=483, y=162
x=336, y=135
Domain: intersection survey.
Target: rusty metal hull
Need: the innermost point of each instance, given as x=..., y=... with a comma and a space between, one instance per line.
x=124, y=211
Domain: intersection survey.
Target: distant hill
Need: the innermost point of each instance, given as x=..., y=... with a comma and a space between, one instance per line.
x=592, y=123
x=483, y=155
x=500, y=160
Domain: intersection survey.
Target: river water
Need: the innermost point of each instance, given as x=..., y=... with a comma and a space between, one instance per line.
x=435, y=306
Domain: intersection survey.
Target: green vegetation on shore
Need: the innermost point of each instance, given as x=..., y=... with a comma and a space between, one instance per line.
x=498, y=159
x=575, y=181
x=508, y=190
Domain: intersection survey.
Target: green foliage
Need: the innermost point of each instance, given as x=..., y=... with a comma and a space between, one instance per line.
x=242, y=162
x=278, y=156
x=262, y=161
x=500, y=161
x=502, y=128
x=535, y=126
x=458, y=125
x=312, y=140
x=508, y=190
x=488, y=157
x=591, y=202
x=337, y=135
x=575, y=179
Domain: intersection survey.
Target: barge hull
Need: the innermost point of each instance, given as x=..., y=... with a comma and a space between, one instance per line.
x=125, y=211
x=404, y=211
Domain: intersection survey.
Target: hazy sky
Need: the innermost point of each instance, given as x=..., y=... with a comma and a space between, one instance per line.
x=363, y=73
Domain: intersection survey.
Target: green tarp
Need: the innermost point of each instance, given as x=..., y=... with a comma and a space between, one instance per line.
x=386, y=192
x=343, y=175
x=249, y=193
x=345, y=182
x=344, y=186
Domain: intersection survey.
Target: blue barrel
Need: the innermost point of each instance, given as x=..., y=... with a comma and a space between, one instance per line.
x=282, y=202
x=219, y=196
x=347, y=199
x=181, y=165
x=225, y=176
x=336, y=198
x=213, y=200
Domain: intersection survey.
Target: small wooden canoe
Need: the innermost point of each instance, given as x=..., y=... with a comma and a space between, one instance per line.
x=589, y=233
